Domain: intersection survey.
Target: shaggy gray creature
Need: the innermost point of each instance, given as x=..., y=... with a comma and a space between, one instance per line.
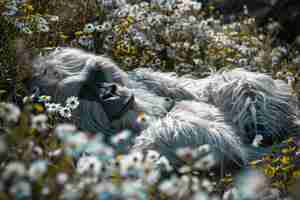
x=225, y=110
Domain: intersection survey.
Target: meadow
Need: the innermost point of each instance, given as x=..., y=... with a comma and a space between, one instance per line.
x=40, y=148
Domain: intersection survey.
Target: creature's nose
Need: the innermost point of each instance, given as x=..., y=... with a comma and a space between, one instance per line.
x=169, y=103
x=168, y=99
x=107, y=90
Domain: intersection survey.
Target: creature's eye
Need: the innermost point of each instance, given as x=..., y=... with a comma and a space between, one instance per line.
x=56, y=74
x=168, y=99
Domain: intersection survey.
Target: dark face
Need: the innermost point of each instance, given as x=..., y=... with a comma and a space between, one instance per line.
x=40, y=86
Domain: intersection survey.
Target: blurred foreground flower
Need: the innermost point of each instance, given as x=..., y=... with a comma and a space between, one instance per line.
x=39, y=122
x=3, y=145
x=14, y=170
x=37, y=169
x=63, y=130
x=9, y=112
x=21, y=190
x=89, y=165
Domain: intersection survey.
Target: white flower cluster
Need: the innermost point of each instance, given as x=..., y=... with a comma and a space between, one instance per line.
x=66, y=112
x=104, y=173
x=12, y=7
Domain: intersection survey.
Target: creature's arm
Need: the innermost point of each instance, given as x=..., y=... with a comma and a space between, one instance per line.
x=94, y=118
x=163, y=84
x=105, y=70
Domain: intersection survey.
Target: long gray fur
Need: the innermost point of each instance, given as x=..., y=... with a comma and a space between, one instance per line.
x=225, y=110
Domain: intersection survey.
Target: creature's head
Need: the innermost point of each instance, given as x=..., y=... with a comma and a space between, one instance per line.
x=108, y=103
x=67, y=67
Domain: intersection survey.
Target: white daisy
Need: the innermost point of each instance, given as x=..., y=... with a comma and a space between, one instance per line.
x=86, y=41
x=131, y=163
x=10, y=12
x=89, y=28
x=99, y=28
x=65, y=112
x=42, y=20
x=43, y=28
x=106, y=26
x=72, y=102
x=90, y=165
x=206, y=162
x=52, y=107
x=152, y=157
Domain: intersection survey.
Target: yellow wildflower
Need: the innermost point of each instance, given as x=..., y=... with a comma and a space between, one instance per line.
x=211, y=8
x=130, y=19
x=115, y=178
x=119, y=157
x=28, y=8
x=285, y=160
x=288, y=149
x=141, y=115
x=296, y=173
x=288, y=167
x=78, y=33
x=290, y=140
x=270, y=171
x=227, y=179
x=278, y=184
x=38, y=107
x=64, y=37
x=268, y=158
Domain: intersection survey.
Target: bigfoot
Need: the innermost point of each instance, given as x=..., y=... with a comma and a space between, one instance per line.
x=225, y=110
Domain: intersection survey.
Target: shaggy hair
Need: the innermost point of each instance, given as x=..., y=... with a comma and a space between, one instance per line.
x=225, y=110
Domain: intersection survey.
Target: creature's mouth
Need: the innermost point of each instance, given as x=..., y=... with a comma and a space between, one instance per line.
x=125, y=105
x=115, y=104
